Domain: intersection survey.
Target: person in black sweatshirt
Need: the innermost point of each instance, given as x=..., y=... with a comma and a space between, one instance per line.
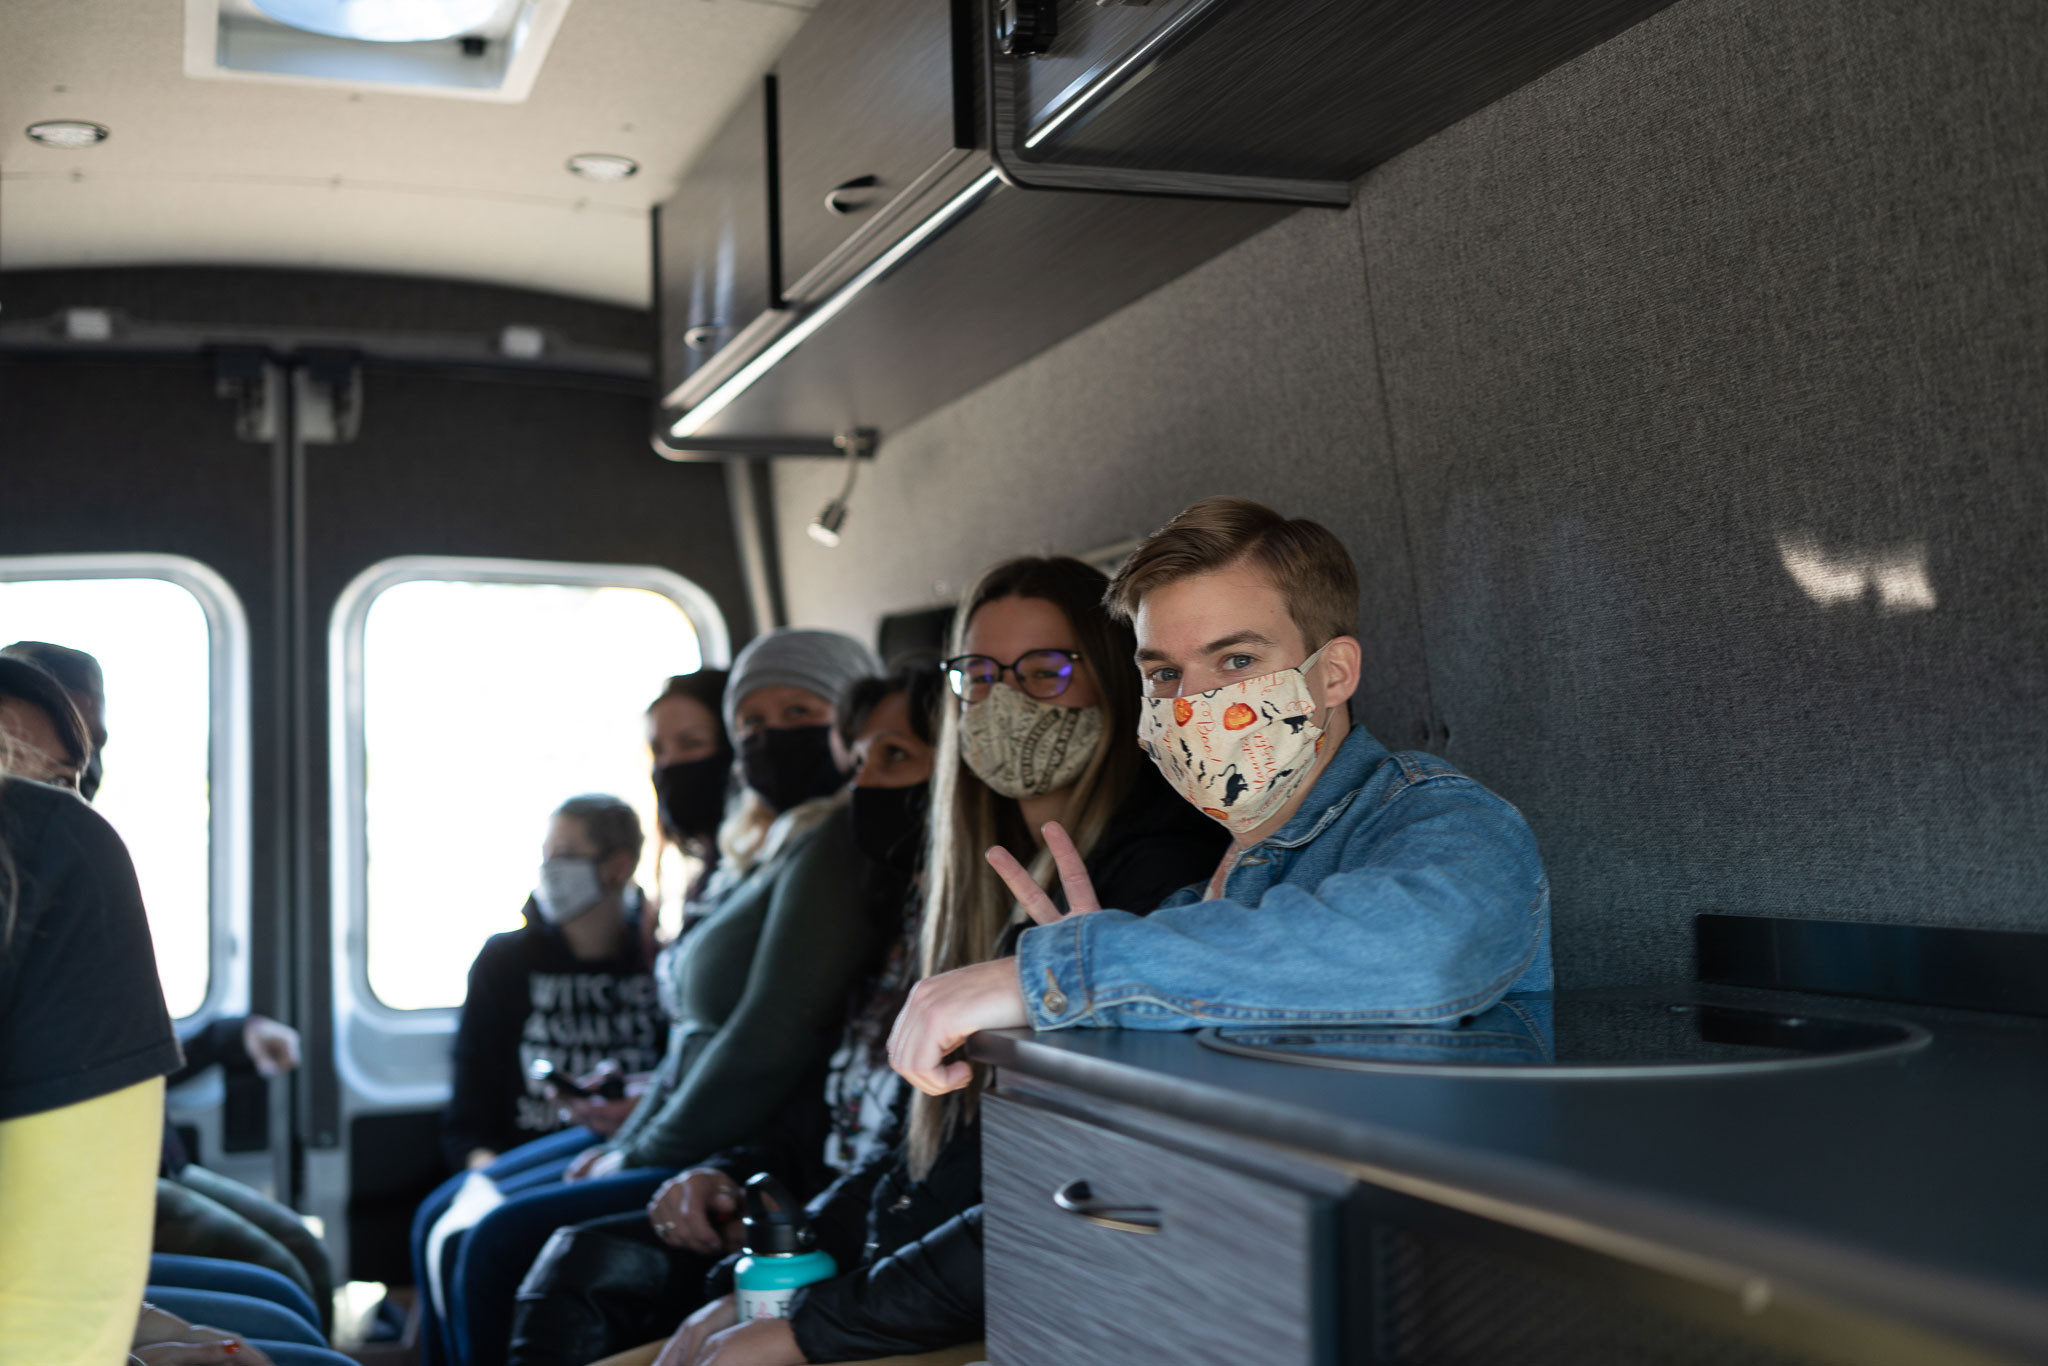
x=572, y=987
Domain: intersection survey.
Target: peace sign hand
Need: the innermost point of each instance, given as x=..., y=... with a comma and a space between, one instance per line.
x=1074, y=880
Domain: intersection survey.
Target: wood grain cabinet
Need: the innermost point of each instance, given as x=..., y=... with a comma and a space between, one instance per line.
x=874, y=102
x=714, y=242
x=1102, y=1247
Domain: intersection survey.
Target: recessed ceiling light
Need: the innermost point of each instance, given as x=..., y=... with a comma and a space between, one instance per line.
x=603, y=166
x=69, y=134
x=382, y=21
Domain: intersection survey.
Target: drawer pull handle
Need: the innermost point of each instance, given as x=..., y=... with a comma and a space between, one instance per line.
x=837, y=202
x=1076, y=1198
x=704, y=336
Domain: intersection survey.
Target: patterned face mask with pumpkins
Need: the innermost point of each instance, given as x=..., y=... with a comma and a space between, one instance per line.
x=1240, y=751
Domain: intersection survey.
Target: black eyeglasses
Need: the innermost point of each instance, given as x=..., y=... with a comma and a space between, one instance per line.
x=1039, y=673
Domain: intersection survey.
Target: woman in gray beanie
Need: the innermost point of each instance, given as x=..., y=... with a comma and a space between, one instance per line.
x=778, y=711
x=754, y=992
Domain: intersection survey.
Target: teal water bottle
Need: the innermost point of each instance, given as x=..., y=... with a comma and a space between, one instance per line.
x=781, y=1253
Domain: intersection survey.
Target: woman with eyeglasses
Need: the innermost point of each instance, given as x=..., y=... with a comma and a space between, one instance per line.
x=1042, y=727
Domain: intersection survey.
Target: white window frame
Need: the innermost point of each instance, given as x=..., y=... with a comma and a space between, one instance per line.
x=227, y=761
x=387, y=1055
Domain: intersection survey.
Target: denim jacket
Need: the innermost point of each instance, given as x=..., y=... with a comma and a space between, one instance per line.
x=1401, y=892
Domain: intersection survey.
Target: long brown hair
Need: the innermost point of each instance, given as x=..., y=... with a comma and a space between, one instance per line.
x=8, y=882
x=967, y=907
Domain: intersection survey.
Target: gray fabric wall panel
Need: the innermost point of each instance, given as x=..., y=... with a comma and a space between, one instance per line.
x=1250, y=375
x=1716, y=376
x=1707, y=379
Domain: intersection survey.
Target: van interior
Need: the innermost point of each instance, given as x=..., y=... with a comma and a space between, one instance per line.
x=393, y=394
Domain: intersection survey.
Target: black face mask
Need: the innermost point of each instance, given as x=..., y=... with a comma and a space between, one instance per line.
x=692, y=795
x=889, y=825
x=790, y=766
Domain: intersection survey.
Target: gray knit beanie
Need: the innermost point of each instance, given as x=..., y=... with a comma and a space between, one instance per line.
x=823, y=662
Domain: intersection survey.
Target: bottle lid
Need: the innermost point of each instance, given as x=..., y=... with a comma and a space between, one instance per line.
x=774, y=1223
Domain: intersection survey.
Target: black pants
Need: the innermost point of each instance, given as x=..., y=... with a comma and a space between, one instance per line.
x=601, y=1287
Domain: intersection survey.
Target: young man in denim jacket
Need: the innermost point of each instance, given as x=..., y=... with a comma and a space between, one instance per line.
x=1361, y=886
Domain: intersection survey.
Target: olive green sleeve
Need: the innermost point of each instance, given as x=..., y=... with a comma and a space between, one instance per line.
x=814, y=940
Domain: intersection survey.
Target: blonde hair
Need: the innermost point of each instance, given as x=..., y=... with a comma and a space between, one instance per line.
x=967, y=906
x=1310, y=565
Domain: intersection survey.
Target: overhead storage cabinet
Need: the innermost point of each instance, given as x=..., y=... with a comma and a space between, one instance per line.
x=714, y=243
x=949, y=209
x=872, y=113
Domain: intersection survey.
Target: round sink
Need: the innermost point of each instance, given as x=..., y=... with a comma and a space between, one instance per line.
x=1565, y=1036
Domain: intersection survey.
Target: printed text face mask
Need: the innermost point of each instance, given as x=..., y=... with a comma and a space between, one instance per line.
x=1022, y=747
x=1237, y=752
x=567, y=888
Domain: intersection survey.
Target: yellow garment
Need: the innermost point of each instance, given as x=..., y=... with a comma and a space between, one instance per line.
x=77, y=1202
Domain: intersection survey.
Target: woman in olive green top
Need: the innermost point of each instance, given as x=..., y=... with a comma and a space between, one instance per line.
x=755, y=991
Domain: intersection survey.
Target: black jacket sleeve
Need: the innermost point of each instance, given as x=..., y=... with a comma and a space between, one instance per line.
x=219, y=1042
x=923, y=1296
x=484, y=1107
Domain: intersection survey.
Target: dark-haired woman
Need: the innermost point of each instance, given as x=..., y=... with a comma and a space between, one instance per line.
x=693, y=761
x=1042, y=729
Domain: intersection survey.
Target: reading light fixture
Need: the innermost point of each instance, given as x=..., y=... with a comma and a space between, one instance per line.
x=824, y=528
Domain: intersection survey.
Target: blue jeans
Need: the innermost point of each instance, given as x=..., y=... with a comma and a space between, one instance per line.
x=179, y=1271
x=482, y=1268
x=542, y=1160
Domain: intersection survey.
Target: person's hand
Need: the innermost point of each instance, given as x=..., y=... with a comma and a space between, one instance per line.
x=602, y=1117
x=696, y=1209
x=762, y=1342
x=594, y=1162
x=942, y=1011
x=1035, y=901
x=273, y=1047
x=715, y=1317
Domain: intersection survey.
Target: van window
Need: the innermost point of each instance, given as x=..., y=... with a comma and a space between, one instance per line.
x=155, y=625
x=482, y=704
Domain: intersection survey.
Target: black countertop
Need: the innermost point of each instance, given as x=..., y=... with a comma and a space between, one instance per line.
x=1913, y=1185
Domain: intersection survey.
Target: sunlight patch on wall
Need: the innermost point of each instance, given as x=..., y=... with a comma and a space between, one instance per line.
x=1894, y=576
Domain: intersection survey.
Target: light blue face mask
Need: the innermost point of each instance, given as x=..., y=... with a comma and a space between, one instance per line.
x=567, y=887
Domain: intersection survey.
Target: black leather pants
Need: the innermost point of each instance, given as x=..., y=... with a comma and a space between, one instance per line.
x=601, y=1287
